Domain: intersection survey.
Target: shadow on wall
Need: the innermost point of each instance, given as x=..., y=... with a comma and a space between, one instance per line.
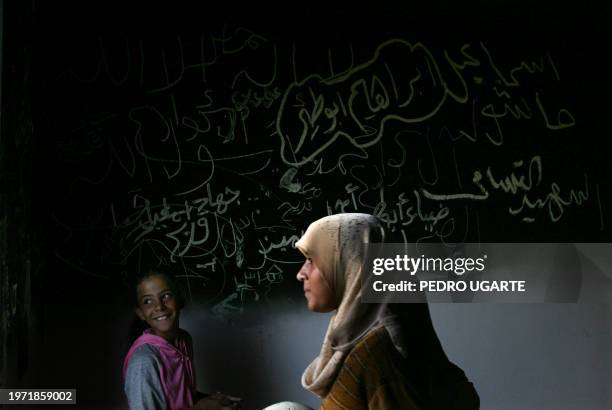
x=531, y=356
x=259, y=356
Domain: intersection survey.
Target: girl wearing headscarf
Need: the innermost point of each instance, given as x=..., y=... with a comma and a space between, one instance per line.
x=374, y=355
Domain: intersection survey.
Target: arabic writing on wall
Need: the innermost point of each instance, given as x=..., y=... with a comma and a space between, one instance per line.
x=222, y=147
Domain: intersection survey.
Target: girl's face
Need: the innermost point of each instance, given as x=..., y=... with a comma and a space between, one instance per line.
x=318, y=294
x=158, y=306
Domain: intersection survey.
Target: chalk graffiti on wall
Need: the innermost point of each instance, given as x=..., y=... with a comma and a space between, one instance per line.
x=228, y=144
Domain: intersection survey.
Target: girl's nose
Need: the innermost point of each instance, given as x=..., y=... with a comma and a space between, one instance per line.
x=160, y=305
x=301, y=276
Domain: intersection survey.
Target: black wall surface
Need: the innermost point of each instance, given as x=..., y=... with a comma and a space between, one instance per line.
x=209, y=137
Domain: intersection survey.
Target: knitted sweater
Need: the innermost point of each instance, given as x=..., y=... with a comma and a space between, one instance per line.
x=376, y=376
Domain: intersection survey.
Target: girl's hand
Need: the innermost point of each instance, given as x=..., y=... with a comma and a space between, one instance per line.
x=218, y=401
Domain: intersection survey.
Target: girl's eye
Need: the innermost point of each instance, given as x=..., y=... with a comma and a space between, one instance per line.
x=168, y=296
x=146, y=301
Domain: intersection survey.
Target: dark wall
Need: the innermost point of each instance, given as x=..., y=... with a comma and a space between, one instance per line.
x=208, y=136
x=21, y=249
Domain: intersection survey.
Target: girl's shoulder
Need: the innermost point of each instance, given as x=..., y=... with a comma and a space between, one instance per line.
x=141, y=359
x=375, y=353
x=377, y=340
x=145, y=353
x=145, y=350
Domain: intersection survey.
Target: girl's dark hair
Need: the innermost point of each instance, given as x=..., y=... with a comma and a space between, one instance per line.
x=159, y=270
x=138, y=326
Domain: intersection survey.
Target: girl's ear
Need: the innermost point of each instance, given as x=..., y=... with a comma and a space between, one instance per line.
x=139, y=313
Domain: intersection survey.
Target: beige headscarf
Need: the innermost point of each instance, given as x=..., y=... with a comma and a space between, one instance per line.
x=337, y=244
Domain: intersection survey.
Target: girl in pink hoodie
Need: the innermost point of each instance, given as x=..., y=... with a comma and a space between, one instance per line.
x=158, y=368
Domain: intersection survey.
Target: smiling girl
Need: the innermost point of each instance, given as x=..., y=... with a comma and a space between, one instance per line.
x=158, y=369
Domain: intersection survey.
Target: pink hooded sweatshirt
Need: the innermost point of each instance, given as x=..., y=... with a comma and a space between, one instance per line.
x=176, y=372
